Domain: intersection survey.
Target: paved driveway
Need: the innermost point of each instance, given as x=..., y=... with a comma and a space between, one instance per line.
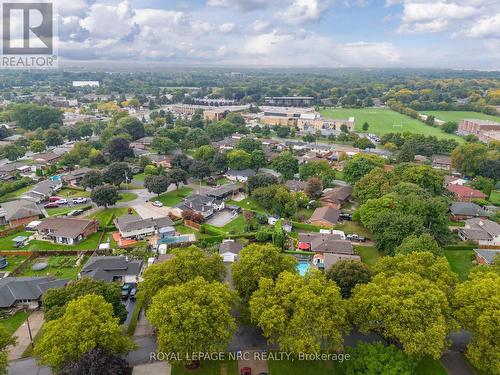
x=221, y=218
x=147, y=210
x=22, y=335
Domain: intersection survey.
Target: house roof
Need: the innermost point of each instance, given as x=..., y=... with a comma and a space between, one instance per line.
x=330, y=259
x=46, y=157
x=465, y=192
x=326, y=242
x=77, y=173
x=67, y=227
x=129, y=223
x=196, y=202
x=107, y=267
x=25, y=288
x=223, y=190
x=337, y=195
x=441, y=159
x=467, y=209
x=45, y=187
x=325, y=213
x=483, y=225
x=487, y=254
x=19, y=209
x=230, y=246
x=241, y=173
x=295, y=185
x=11, y=167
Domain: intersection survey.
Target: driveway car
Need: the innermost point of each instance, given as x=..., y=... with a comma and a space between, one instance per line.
x=157, y=204
x=62, y=201
x=54, y=199
x=133, y=293
x=51, y=205
x=79, y=200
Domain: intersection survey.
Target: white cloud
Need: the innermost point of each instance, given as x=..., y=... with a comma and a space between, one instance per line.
x=227, y=27
x=304, y=10
x=486, y=28
x=247, y=5
x=259, y=26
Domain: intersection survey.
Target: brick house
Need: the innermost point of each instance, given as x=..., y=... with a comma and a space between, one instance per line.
x=67, y=230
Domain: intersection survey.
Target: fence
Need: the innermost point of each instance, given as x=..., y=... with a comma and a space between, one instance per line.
x=9, y=231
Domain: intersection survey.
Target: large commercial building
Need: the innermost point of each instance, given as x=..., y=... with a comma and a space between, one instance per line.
x=290, y=101
x=486, y=130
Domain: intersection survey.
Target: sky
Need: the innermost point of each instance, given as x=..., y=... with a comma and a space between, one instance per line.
x=462, y=34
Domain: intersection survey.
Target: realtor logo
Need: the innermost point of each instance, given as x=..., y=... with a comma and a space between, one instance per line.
x=28, y=35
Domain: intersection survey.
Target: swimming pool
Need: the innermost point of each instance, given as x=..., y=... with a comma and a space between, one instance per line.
x=302, y=267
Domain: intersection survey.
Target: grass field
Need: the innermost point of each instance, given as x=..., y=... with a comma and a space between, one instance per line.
x=13, y=261
x=369, y=254
x=106, y=215
x=173, y=197
x=12, y=323
x=460, y=262
x=248, y=204
x=15, y=194
x=382, y=121
x=429, y=366
x=73, y=193
x=495, y=197
x=61, y=267
x=89, y=243
x=460, y=115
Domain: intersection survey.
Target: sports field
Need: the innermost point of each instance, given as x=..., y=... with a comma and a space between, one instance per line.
x=460, y=115
x=382, y=121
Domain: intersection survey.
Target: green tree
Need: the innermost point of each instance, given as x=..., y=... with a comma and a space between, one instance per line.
x=375, y=184
x=406, y=308
x=377, y=359
x=260, y=180
x=117, y=173
x=360, y=165
x=119, y=149
x=177, y=176
x=186, y=265
x=132, y=126
x=5, y=341
x=469, y=158
x=32, y=117
x=87, y=323
x=37, y=146
x=314, y=188
x=424, y=242
x=258, y=158
x=450, y=127
x=484, y=184
x=318, y=169
x=286, y=164
x=205, y=153
x=156, y=184
x=248, y=144
x=92, y=179
x=97, y=362
x=363, y=143
x=477, y=302
x=55, y=300
x=200, y=169
x=365, y=126
x=278, y=308
x=193, y=317
x=239, y=159
x=13, y=152
x=105, y=195
x=163, y=145
x=347, y=274
x=257, y=261
x=54, y=137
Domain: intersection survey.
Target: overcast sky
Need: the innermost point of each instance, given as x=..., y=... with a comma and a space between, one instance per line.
x=322, y=33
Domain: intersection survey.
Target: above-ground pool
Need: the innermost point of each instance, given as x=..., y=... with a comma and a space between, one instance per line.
x=302, y=267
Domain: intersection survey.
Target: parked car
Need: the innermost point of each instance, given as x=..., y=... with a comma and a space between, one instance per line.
x=125, y=293
x=345, y=216
x=51, y=205
x=126, y=289
x=246, y=371
x=54, y=199
x=133, y=293
x=75, y=213
x=79, y=200
x=62, y=201
x=157, y=204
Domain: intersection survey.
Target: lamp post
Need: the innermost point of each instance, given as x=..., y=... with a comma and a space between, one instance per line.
x=26, y=308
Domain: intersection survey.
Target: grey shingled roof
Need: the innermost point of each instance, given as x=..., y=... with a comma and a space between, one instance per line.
x=242, y=173
x=467, y=209
x=487, y=226
x=106, y=267
x=326, y=242
x=19, y=209
x=67, y=227
x=326, y=213
x=487, y=255
x=230, y=247
x=127, y=223
x=13, y=289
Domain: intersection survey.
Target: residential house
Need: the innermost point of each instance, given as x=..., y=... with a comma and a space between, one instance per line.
x=142, y=143
x=226, y=144
x=486, y=256
x=240, y=176
x=43, y=190
x=113, y=268
x=201, y=204
x=466, y=210
x=67, y=230
x=18, y=212
x=336, y=197
x=11, y=169
x=327, y=260
x=441, y=162
x=325, y=216
x=134, y=227
x=324, y=243
x=295, y=185
x=270, y=172
x=164, y=161
x=465, y=193
x=46, y=158
x=76, y=176
x=229, y=250
x=22, y=291
x=481, y=231
x=224, y=191
x=453, y=180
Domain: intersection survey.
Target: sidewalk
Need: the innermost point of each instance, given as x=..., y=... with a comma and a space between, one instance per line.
x=23, y=337
x=143, y=328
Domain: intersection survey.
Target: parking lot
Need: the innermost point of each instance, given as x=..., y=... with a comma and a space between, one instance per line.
x=221, y=218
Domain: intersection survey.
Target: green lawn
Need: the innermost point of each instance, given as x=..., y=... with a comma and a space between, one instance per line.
x=139, y=177
x=429, y=366
x=127, y=197
x=226, y=367
x=350, y=227
x=248, y=204
x=495, y=197
x=13, y=261
x=61, y=267
x=60, y=211
x=89, y=243
x=460, y=262
x=173, y=197
x=106, y=215
x=68, y=192
x=15, y=194
x=237, y=225
x=460, y=115
x=297, y=367
x=12, y=323
x=382, y=121
x=369, y=254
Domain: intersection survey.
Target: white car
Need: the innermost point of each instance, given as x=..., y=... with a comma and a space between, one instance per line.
x=62, y=201
x=79, y=200
x=157, y=204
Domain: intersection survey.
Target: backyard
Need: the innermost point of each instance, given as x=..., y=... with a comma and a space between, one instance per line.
x=73, y=193
x=13, y=322
x=90, y=243
x=248, y=204
x=61, y=267
x=460, y=115
x=13, y=262
x=173, y=197
x=495, y=197
x=15, y=194
x=106, y=215
x=460, y=262
x=382, y=121
x=369, y=254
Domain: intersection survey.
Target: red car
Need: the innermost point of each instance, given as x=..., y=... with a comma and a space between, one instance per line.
x=51, y=205
x=246, y=371
x=54, y=199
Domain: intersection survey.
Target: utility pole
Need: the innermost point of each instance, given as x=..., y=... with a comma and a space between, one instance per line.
x=126, y=180
x=29, y=328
